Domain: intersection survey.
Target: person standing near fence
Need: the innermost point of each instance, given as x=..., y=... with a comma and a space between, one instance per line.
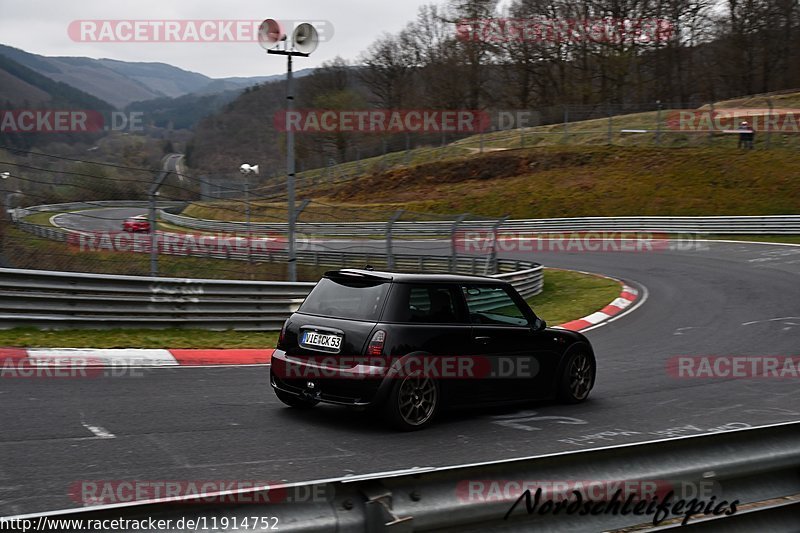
x=746, y=136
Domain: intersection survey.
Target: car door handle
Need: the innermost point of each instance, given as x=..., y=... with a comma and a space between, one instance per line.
x=483, y=340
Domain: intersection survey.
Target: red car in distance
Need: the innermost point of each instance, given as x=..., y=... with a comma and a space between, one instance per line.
x=136, y=225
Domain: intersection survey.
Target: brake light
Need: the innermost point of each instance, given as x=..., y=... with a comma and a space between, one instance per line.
x=375, y=346
x=282, y=333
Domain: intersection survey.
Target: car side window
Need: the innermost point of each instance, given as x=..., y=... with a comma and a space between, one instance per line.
x=493, y=305
x=431, y=304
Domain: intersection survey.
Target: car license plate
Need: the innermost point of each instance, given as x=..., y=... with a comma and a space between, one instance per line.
x=324, y=341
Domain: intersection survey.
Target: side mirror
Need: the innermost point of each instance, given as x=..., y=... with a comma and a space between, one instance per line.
x=538, y=325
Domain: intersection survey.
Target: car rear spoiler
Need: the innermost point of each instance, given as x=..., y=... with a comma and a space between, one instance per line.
x=357, y=273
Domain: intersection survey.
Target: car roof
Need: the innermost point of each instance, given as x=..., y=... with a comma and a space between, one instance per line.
x=409, y=277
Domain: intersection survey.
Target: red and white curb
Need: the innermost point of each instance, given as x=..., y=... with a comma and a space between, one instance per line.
x=133, y=357
x=625, y=300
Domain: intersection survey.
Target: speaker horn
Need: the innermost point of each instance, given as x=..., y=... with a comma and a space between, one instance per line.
x=305, y=38
x=270, y=32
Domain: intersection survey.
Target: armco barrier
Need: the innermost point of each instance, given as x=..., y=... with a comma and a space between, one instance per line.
x=749, y=466
x=22, y=212
x=718, y=225
x=272, y=253
x=70, y=300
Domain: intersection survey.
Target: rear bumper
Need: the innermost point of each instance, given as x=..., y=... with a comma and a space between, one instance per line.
x=361, y=386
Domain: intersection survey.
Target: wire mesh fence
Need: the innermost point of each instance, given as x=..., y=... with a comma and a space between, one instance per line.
x=253, y=209
x=105, y=235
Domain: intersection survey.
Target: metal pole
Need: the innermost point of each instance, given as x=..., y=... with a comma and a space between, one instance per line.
x=292, y=266
x=658, y=123
x=767, y=124
x=711, y=130
x=152, y=219
x=493, y=264
x=389, y=224
x=610, y=126
x=453, y=247
x=247, y=217
x=171, y=164
x=566, y=123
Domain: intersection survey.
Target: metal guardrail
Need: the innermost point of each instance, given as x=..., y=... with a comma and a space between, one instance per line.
x=342, y=229
x=720, y=225
x=747, y=466
x=65, y=299
x=21, y=212
x=48, y=232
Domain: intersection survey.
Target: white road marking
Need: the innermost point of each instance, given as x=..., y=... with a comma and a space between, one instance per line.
x=99, y=432
x=101, y=357
x=773, y=320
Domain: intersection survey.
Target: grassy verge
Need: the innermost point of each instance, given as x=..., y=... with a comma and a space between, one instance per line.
x=136, y=338
x=566, y=296
x=42, y=219
x=569, y=295
x=23, y=250
x=788, y=239
x=560, y=181
x=586, y=133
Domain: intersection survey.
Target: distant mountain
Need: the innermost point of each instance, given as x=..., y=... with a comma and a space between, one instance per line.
x=183, y=112
x=121, y=82
x=21, y=87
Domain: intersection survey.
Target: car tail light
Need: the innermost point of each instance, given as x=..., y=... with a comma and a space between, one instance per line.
x=376, y=343
x=282, y=334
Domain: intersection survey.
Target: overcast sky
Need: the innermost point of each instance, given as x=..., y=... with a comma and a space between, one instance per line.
x=41, y=27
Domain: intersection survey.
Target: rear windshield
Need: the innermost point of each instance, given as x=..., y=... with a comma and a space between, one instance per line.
x=356, y=300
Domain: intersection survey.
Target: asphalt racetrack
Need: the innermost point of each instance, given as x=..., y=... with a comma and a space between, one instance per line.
x=226, y=424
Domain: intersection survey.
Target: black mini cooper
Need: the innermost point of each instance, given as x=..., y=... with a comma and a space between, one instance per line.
x=408, y=345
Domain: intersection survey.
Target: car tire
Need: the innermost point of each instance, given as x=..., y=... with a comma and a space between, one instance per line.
x=413, y=402
x=295, y=401
x=577, y=375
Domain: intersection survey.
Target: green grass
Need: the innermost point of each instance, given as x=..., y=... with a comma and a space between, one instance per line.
x=570, y=295
x=566, y=296
x=136, y=338
x=788, y=239
x=563, y=181
x=594, y=132
x=42, y=219
x=23, y=250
